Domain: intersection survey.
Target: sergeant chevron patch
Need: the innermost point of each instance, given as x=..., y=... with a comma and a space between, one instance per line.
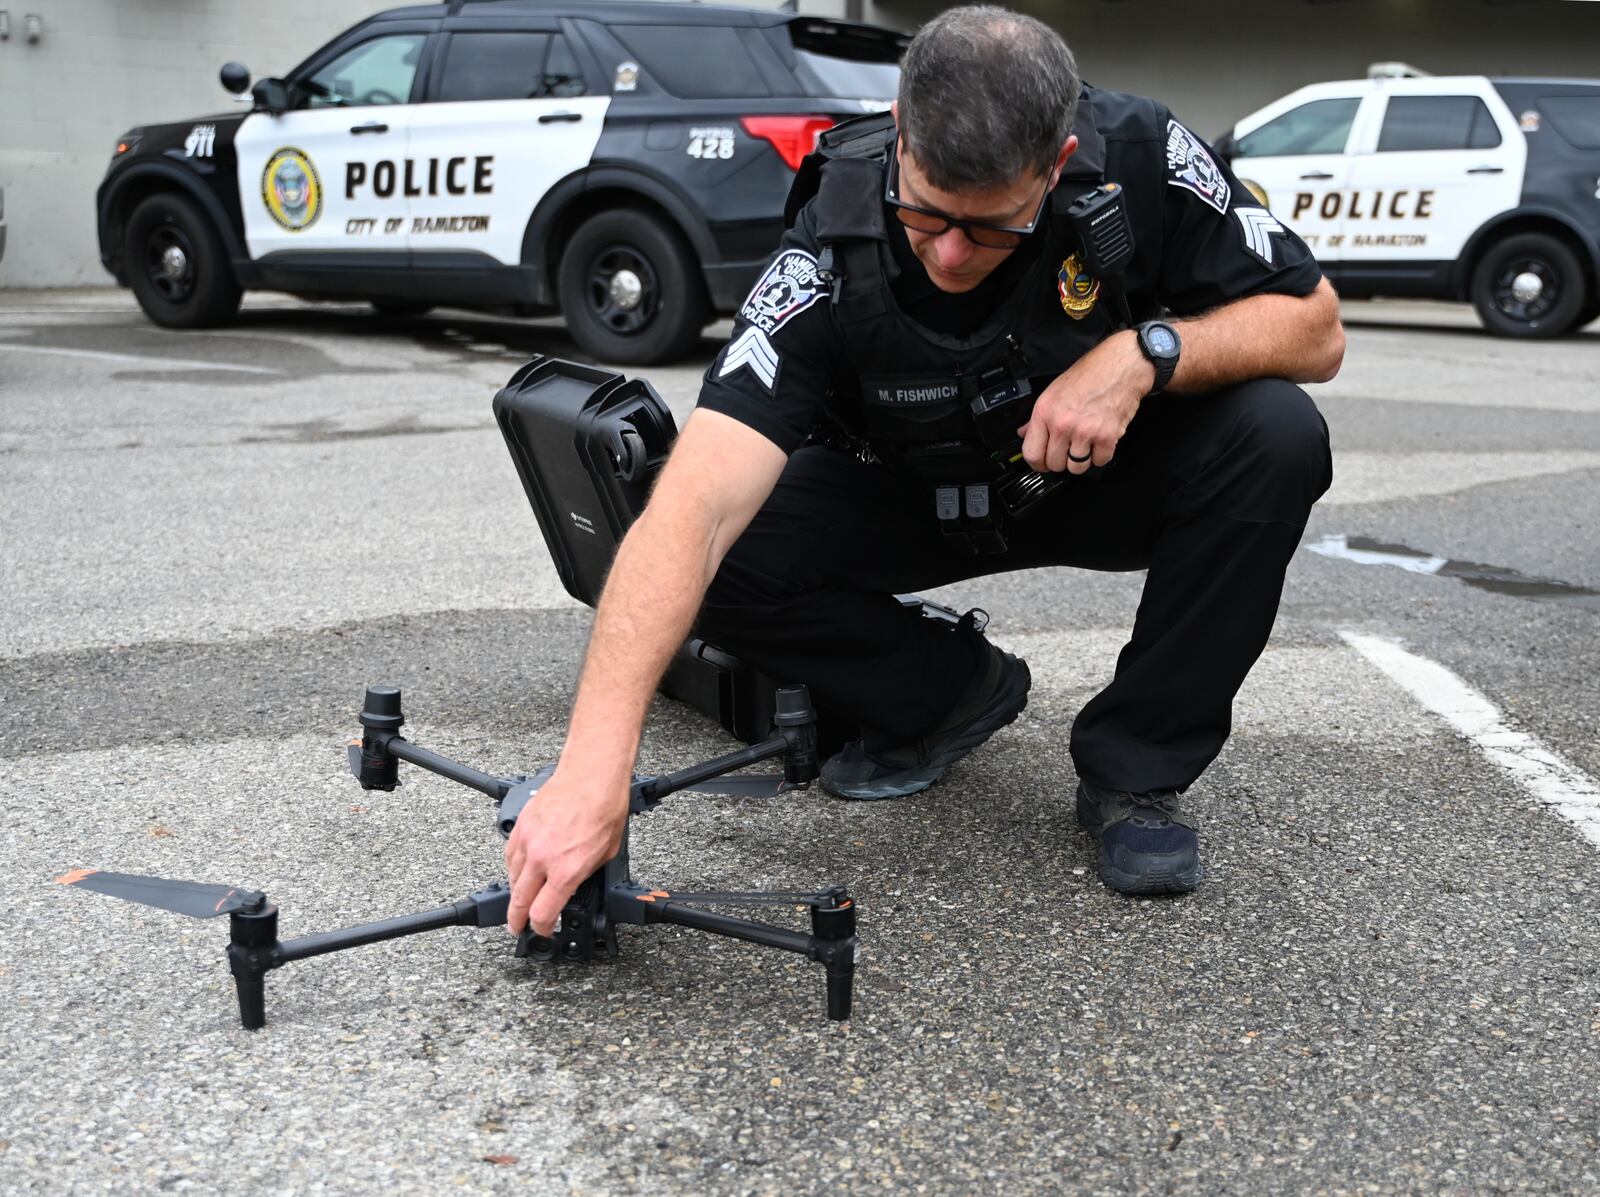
x=1260, y=227
x=751, y=348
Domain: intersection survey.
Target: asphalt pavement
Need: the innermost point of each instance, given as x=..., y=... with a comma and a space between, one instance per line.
x=211, y=542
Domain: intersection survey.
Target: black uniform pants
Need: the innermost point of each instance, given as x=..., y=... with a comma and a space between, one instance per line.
x=1209, y=493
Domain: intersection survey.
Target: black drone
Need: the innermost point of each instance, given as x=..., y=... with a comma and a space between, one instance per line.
x=608, y=898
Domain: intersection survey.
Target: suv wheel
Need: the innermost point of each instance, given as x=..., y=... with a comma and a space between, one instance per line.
x=178, y=266
x=1529, y=285
x=1589, y=312
x=630, y=289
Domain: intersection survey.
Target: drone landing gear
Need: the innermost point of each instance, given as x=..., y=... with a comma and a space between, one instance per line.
x=610, y=896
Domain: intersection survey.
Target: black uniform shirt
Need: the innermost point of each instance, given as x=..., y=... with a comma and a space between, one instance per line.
x=1201, y=240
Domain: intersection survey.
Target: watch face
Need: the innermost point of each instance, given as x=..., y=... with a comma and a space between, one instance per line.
x=1161, y=341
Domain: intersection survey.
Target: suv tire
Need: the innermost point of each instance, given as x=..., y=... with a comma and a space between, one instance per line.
x=1589, y=312
x=1552, y=311
x=177, y=265
x=630, y=289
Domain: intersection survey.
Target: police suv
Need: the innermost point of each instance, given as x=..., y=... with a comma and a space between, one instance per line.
x=625, y=163
x=1405, y=184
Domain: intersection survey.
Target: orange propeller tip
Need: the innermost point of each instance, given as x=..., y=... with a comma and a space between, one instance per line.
x=75, y=876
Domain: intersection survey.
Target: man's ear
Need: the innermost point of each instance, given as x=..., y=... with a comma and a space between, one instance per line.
x=1067, y=149
x=894, y=110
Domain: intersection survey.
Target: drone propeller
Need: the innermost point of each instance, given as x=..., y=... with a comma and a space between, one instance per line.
x=749, y=786
x=193, y=898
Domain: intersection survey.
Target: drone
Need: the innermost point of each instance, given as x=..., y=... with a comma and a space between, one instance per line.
x=607, y=899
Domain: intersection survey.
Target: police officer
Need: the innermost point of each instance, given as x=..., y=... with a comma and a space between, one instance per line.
x=834, y=460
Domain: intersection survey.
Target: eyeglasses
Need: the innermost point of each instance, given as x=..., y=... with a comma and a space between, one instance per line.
x=923, y=220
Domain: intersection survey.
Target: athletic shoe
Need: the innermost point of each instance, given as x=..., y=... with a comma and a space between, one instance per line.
x=1147, y=845
x=991, y=702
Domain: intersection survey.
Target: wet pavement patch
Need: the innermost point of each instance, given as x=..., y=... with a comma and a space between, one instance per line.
x=1364, y=550
x=323, y=429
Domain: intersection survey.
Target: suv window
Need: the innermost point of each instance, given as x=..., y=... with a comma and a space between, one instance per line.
x=379, y=71
x=1577, y=118
x=844, y=61
x=492, y=66
x=1412, y=123
x=695, y=62
x=562, y=74
x=1320, y=127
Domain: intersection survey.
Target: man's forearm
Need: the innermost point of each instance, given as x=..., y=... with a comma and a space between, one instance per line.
x=650, y=601
x=1262, y=336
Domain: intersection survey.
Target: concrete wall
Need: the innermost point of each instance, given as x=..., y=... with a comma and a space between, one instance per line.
x=1212, y=62
x=103, y=66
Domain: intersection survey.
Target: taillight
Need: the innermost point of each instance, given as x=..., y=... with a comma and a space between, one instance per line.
x=792, y=136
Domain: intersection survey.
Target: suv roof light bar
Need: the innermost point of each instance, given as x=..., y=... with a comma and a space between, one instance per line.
x=1396, y=70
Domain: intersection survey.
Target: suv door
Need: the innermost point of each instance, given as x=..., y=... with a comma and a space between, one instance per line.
x=1444, y=158
x=1295, y=161
x=328, y=175
x=508, y=115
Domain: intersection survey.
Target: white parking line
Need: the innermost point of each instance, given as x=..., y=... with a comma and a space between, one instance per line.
x=177, y=363
x=1565, y=789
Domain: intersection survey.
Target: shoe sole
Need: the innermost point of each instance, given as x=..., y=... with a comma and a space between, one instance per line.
x=1152, y=873
x=1012, y=698
x=1168, y=873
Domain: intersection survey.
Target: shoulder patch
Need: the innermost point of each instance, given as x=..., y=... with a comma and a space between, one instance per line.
x=791, y=284
x=1190, y=166
x=1260, y=227
x=751, y=349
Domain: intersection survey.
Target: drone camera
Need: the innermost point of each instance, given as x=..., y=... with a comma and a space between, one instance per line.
x=531, y=946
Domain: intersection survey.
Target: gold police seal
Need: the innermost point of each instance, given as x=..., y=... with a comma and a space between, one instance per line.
x=291, y=190
x=1078, y=289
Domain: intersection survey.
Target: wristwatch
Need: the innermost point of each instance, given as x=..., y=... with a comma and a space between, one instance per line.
x=1160, y=342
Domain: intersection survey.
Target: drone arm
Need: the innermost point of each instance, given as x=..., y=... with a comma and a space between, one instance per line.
x=486, y=908
x=832, y=943
x=794, y=739
x=651, y=790
x=403, y=749
x=382, y=745
x=255, y=949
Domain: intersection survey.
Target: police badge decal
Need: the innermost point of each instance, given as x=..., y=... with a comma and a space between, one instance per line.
x=791, y=284
x=1077, y=288
x=1190, y=166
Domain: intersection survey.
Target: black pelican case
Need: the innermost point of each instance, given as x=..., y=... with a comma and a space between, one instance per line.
x=588, y=444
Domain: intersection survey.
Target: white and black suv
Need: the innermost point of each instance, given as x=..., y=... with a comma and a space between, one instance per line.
x=625, y=163
x=1405, y=184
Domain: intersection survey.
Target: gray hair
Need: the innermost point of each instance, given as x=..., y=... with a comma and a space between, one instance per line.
x=986, y=95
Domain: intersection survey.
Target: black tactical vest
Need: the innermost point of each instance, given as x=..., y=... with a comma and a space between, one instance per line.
x=916, y=385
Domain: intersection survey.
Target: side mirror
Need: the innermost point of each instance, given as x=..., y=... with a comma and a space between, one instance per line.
x=1227, y=146
x=235, y=77
x=271, y=95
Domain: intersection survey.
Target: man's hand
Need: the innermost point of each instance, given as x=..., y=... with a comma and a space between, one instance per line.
x=719, y=474
x=567, y=831
x=1082, y=415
